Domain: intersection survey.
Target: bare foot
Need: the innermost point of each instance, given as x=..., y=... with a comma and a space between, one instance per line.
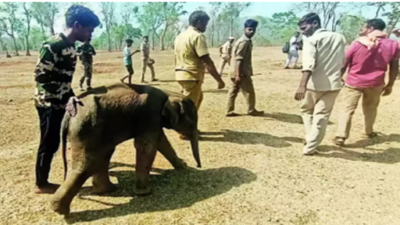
x=47, y=189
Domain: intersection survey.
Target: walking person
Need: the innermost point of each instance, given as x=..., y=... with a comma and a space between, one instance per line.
x=242, y=70
x=192, y=58
x=146, y=60
x=53, y=94
x=367, y=60
x=128, y=60
x=225, y=53
x=293, y=54
x=323, y=59
x=86, y=53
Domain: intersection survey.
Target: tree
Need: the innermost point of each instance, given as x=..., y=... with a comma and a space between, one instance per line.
x=45, y=14
x=169, y=15
x=215, y=20
x=27, y=28
x=232, y=11
x=108, y=10
x=327, y=10
x=37, y=13
x=150, y=19
x=10, y=24
x=3, y=45
x=349, y=26
x=392, y=16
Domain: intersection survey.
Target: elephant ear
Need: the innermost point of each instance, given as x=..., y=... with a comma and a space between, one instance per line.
x=170, y=114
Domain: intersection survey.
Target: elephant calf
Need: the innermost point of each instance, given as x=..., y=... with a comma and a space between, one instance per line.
x=111, y=115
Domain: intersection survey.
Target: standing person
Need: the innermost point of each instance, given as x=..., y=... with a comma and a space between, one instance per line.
x=146, y=60
x=323, y=59
x=242, y=70
x=367, y=59
x=54, y=95
x=225, y=52
x=293, y=54
x=86, y=53
x=128, y=60
x=192, y=58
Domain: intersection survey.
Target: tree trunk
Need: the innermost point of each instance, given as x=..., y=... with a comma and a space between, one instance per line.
x=108, y=39
x=152, y=40
x=162, y=37
x=52, y=30
x=4, y=47
x=231, y=27
x=391, y=26
x=27, y=46
x=15, y=46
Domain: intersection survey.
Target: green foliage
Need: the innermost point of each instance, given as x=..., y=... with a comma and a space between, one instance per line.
x=350, y=26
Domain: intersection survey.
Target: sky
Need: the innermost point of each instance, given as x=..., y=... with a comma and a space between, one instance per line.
x=265, y=9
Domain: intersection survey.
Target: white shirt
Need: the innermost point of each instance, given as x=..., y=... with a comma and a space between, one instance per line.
x=293, y=44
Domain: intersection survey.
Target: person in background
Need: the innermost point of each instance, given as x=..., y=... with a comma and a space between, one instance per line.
x=323, y=59
x=293, y=54
x=367, y=60
x=192, y=58
x=225, y=52
x=128, y=60
x=242, y=70
x=146, y=60
x=86, y=53
x=54, y=95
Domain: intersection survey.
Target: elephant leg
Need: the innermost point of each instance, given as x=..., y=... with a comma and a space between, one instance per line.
x=164, y=146
x=145, y=155
x=101, y=179
x=62, y=199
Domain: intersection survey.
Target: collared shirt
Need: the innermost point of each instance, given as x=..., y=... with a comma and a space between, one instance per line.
x=242, y=50
x=87, y=52
x=368, y=67
x=190, y=46
x=145, y=50
x=226, y=49
x=53, y=72
x=127, y=56
x=293, y=43
x=323, y=55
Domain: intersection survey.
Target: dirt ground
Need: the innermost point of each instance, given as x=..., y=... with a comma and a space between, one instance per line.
x=253, y=170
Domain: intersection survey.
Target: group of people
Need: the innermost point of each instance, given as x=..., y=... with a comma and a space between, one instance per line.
x=324, y=63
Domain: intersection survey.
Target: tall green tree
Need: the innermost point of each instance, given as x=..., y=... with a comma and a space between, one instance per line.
x=45, y=14
x=108, y=11
x=349, y=26
x=150, y=19
x=9, y=23
x=393, y=16
x=170, y=15
x=232, y=11
x=27, y=28
x=3, y=45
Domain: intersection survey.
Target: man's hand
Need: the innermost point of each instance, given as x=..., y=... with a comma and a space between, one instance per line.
x=300, y=93
x=71, y=107
x=221, y=84
x=238, y=79
x=387, y=90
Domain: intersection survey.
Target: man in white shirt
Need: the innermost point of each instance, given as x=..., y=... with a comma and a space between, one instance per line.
x=323, y=59
x=225, y=52
x=293, y=55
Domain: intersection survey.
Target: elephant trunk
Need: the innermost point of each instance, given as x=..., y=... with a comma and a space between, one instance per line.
x=194, y=142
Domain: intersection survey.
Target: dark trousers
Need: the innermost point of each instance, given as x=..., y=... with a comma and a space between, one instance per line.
x=50, y=125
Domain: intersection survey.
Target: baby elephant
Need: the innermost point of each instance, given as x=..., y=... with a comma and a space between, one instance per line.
x=114, y=114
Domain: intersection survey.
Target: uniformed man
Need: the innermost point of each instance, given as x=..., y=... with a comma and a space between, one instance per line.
x=146, y=60
x=242, y=70
x=225, y=52
x=192, y=58
x=86, y=53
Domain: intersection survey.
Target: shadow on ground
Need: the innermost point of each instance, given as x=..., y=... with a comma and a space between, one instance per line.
x=171, y=190
x=388, y=156
x=246, y=138
x=287, y=118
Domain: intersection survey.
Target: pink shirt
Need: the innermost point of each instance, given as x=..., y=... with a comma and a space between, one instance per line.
x=367, y=67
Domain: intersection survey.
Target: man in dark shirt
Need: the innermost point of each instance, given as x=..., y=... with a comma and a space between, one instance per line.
x=86, y=53
x=54, y=95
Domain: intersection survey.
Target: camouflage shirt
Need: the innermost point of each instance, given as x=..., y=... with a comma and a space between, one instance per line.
x=87, y=52
x=53, y=73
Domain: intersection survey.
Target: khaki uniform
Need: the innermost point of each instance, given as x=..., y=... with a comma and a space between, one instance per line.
x=323, y=56
x=242, y=52
x=226, y=56
x=145, y=52
x=190, y=46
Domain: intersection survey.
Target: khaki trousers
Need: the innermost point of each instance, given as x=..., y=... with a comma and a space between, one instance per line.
x=316, y=109
x=370, y=101
x=144, y=66
x=222, y=64
x=247, y=88
x=192, y=90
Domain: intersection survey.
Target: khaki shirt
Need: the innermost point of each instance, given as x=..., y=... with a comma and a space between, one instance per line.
x=242, y=51
x=190, y=45
x=226, y=50
x=144, y=50
x=324, y=56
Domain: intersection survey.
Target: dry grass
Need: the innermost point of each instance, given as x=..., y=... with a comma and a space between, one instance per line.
x=253, y=172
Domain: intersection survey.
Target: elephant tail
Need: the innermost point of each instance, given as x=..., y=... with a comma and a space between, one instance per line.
x=64, y=135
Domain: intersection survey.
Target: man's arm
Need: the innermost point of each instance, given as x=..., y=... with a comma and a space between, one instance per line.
x=44, y=73
x=309, y=60
x=393, y=73
x=240, y=53
x=94, y=51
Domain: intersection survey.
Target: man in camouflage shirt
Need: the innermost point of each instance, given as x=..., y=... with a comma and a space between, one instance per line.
x=54, y=95
x=86, y=53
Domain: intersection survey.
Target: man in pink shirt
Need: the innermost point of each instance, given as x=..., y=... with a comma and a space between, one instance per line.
x=367, y=60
